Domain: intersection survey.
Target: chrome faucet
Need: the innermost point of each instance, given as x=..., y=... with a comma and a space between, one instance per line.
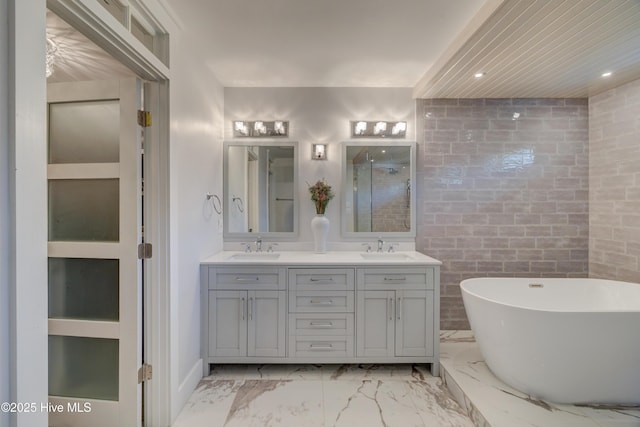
x=380, y=244
x=259, y=244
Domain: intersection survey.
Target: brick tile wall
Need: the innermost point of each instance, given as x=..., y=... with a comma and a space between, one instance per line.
x=502, y=191
x=614, y=182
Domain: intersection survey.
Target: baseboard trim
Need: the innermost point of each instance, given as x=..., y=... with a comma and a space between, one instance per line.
x=186, y=388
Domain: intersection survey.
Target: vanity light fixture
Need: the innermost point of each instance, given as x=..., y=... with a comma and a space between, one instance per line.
x=319, y=152
x=378, y=129
x=260, y=128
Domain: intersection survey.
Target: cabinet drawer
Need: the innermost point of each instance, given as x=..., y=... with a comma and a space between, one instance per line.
x=250, y=278
x=321, y=324
x=321, y=302
x=390, y=278
x=309, y=279
x=321, y=347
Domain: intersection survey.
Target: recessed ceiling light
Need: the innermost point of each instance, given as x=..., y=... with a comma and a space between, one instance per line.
x=607, y=74
x=478, y=75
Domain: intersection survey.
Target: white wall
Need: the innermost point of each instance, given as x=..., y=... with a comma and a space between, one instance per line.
x=196, y=168
x=196, y=145
x=4, y=214
x=319, y=115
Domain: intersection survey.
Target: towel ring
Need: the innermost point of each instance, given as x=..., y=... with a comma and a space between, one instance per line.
x=215, y=202
x=239, y=203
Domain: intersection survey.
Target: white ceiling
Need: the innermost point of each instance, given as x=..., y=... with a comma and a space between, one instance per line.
x=526, y=48
x=315, y=43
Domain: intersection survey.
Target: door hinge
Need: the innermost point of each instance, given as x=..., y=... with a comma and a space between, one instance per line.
x=144, y=118
x=145, y=373
x=145, y=250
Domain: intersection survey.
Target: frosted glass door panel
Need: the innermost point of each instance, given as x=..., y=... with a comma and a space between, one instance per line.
x=84, y=132
x=83, y=367
x=85, y=289
x=84, y=210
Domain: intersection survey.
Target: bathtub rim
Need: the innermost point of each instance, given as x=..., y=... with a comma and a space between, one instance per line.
x=466, y=290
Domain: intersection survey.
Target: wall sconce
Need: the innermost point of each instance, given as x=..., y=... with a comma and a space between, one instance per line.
x=319, y=152
x=260, y=128
x=378, y=129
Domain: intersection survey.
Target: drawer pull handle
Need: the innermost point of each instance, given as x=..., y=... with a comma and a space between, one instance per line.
x=399, y=308
x=321, y=325
x=316, y=347
x=245, y=280
x=322, y=302
x=324, y=279
x=395, y=279
x=242, y=306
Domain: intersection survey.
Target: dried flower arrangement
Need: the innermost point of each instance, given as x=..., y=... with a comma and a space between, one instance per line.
x=320, y=195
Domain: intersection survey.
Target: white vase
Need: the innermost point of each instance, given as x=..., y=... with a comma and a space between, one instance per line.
x=320, y=228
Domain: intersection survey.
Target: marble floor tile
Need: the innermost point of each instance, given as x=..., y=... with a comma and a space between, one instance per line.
x=490, y=402
x=277, y=403
x=436, y=406
x=374, y=395
x=321, y=395
x=210, y=403
x=371, y=403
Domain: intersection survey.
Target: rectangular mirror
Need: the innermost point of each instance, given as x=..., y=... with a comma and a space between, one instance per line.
x=260, y=182
x=378, y=199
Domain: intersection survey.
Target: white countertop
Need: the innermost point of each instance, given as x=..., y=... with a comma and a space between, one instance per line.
x=328, y=258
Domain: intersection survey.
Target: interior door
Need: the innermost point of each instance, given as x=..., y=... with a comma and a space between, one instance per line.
x=94, y=211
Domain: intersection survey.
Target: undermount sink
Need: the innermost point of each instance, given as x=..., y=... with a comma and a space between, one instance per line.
x=255, y=256
x=386, y=256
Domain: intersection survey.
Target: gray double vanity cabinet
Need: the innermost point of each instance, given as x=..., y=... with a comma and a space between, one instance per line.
x=337, y=307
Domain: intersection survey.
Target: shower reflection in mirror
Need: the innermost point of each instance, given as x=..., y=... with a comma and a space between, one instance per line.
x=380, y=181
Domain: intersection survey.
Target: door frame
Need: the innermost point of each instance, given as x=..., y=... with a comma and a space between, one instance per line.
x=28, y=188
x=99, y=26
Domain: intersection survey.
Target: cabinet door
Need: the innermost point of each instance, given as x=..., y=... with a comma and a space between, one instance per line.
x=414, y=323
x=228, y=323
x=267, y=316
x=375, y=323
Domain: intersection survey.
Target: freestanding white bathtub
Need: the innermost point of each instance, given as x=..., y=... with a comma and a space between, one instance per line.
x=559, y=340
